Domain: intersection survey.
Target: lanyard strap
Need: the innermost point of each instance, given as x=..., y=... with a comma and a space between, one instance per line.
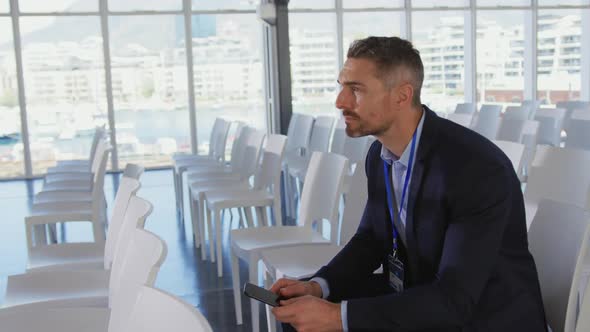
x=388, y=185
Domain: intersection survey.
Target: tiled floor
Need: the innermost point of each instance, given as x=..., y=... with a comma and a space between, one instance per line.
x=183, y=273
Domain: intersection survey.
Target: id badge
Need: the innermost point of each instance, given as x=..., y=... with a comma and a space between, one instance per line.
x=396, y=274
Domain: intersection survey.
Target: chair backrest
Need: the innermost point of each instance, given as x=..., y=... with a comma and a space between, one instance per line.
x=98, y=200
x=488, y=121
x=465, y=108
x=514, y=151
x=558, y=239
x=511, y=130
x=99, y=133
x=298, y=138
x=156, y=311
x=221, y=140
x=320, y=134
x=238, y=152
x=570, y=107
x=214, y=135
x=578, y=130
x=292, y=121
x=322, y=191
x=141, y=270
x=550, y=125
x=516, y=113
x=128, y=187
x=561, y=158
x=532, y=106
x=354, y=203
x=557, y=184
x=144, y=258
x=268, y=175
x=133, y=171
x=339, y=137
x=95, y=162
x=463, y=119
x=252, y=154
x=355, y=148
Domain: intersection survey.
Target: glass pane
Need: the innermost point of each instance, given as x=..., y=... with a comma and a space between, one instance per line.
x=149, y=88
x=439, y=36
x=500, y=57
x=314, y=62
x=225, y=4
x=558, y=55
x=562, y=3
x=361, y=25
x=118, y=5
x=311, y=4
x=228, y=72
x=64, y=82
x=440, y=3
x=55, y=6
x=373, y=4
x=11, y=147
x=4, y=6
x=512, y=3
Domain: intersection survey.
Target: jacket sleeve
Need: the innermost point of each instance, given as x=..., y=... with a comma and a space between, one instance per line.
x=471, y=245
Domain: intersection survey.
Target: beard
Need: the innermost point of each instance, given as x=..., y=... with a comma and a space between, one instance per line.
x=358, y=128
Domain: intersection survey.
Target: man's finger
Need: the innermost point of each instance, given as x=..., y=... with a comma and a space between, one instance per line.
x=282, y=283
x=284, y=314
x=294, y=290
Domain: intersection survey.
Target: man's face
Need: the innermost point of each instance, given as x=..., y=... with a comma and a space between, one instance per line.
x=364, y=99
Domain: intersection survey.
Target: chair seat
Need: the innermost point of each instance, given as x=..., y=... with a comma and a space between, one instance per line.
x=299, y=261
x=60, y=319
x=58, y=289
x=186, y=163
x=66, y=256
x=212, y=173
x=244, y=241
x=225, y=200
x=58, y=177
x=212, y=186
x=60, y=196
x=67, y=185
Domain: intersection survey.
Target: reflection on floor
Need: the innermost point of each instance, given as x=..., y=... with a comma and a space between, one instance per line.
x=183, y=272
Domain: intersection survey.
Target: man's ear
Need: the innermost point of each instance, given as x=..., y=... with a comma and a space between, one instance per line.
x=404, y=95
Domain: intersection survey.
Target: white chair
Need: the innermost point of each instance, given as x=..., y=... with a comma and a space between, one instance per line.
x=514, y=152
x=465, y=108
x=156, y=311
x=529, y=139
x=82, y=165
x=87, y=255
x=319, y=201
x=463, y=119
x=570, y=107
x=49, y=213
x=488, y=121
x=559, y=263
x=562, y=184
x=298, y=138
x=264, y=193
x=550, y=125
x=532, y=106
x=511, y=130
x=214, y=179
x=339, y=136
x=549, y=156
x=303, y=261
x=578, y=130
x=136, y=260
x=219, y=134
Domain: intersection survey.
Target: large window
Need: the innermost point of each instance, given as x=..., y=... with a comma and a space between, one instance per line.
x=314, y=62
x=11, y=147
x=559, y=55
x=149, y=88
x=228, y=71
x=54, y=6
x=440, y=38
x=373, y=4
x=64, y=85
x=500, y=56
x=4, y=6
x=357, y=25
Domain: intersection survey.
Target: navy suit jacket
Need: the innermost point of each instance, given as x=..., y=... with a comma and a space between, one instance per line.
x=468, y=267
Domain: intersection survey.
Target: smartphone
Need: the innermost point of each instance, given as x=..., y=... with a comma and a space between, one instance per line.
x=261, y=294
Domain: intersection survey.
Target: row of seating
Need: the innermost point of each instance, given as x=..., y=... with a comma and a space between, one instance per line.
x=99, y=286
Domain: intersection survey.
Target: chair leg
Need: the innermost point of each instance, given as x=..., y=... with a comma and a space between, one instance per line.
x=181, y=193
x=235, y=277
x=276, y=209
x=260, y=221
x=265, y=216
x=243, y=220
x=249, y=219
x=202, y=225
x=218, y=233
x=211, y=235
x=271, y=322
x=254, y=304
x=40, y=235
x=288, y=192
x=193, y=206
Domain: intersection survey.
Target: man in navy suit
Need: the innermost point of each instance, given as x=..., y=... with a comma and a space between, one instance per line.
x=444, y=217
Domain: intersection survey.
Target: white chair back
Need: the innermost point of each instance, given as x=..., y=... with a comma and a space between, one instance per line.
x=354, y=203
x=320, y=134
x=550, y=125
x=214, y=135
x=128, y=188
x=514, y=151
x=488, y=121
x=570, y=107
x=339, y=137
x=532, y=106
x=322, y=191
x=143, y=261
x=511, y=130
x=221, y=140
x=463, y=119
x=133, y=171
x=516, y=113
x=156, y=311
x=99, y=134
x=578, y=130
x=252, y=154
x=298, y=138
x=561, y=158
x=242, y=135
x=465, y=108
x=558, y=239
x=130, y=245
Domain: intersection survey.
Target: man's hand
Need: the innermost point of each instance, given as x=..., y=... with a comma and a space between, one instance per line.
x=309, y=313
x=287, y=288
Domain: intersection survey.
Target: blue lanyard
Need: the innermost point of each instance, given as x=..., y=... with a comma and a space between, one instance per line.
x=386, y=171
